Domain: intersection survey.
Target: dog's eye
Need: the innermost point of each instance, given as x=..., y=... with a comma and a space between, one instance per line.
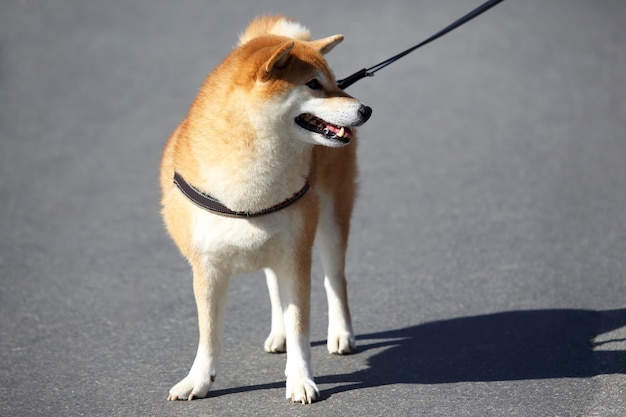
x=314, y=84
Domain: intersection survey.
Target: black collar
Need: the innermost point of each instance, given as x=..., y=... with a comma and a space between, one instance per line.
x=212, y=204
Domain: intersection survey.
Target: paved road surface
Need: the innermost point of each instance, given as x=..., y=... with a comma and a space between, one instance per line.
x=488, y=256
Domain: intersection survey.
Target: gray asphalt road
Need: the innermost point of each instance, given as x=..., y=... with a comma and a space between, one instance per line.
x=488, y=253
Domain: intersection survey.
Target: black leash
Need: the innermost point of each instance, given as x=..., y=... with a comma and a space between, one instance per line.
x=368, y=72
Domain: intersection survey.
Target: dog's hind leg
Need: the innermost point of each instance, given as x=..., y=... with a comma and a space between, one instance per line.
x=275, y=342
x=210, y=289
x=332, y=240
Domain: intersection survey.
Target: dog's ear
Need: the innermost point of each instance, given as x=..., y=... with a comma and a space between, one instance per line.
x=325, y=45
x=278, y=60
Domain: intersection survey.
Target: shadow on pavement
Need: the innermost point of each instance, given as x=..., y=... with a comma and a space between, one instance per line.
x=516, y=345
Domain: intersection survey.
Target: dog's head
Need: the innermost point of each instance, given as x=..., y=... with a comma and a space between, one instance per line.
x=296, y=92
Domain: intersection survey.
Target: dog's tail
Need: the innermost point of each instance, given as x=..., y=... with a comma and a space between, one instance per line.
x=274, y=25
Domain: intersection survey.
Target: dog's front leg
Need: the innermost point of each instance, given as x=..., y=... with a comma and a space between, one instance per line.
x=210, y=290
x=275, y=342
x=295, y=290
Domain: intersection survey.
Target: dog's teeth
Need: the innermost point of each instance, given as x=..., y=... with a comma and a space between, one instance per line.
x=341, y=132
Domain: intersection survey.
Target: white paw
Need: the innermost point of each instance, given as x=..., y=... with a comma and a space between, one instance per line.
x=191, y=387
x=340, y=343
x=275, y=343
x=302, y=391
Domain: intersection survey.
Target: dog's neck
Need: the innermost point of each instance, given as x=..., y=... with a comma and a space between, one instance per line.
x=261, y=175
x=211, y=204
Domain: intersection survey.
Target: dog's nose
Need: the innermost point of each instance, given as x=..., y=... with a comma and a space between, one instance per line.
x=365, y=112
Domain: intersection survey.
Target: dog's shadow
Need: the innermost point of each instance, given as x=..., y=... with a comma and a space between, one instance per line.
x=515, y=345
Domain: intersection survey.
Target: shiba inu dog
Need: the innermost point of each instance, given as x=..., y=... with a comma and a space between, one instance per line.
x=247, y=186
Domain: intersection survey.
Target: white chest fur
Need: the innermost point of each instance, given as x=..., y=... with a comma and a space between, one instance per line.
x=240, y=245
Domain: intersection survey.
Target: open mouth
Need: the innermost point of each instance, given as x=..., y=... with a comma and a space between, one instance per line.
x=330, y=131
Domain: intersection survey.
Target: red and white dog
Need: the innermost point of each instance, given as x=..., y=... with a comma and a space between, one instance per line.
x=248, y=144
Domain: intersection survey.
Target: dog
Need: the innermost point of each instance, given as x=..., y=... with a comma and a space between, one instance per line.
x=263, y=166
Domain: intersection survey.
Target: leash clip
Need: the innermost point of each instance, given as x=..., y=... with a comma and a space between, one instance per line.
x=348, y=81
